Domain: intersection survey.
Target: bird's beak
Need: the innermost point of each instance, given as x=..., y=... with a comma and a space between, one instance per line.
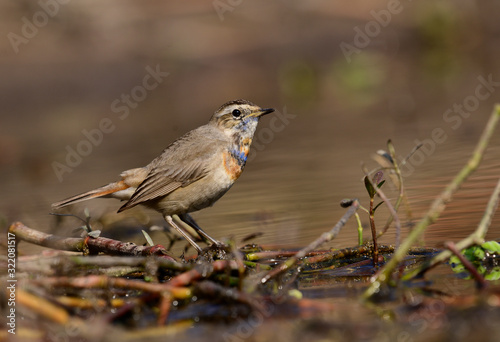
x=263, y=111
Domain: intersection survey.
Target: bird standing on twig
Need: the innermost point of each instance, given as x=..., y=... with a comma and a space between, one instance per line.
x=192, y=173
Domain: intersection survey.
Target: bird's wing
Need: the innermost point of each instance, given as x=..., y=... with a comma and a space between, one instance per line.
x=181, y=164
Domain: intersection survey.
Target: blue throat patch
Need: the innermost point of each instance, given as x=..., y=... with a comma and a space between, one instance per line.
x=239, y=156
x=243, y=124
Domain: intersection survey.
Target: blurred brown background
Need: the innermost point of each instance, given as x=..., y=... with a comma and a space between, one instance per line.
x=349, y=75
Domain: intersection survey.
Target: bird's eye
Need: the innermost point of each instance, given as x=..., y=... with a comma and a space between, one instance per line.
x=236, y=113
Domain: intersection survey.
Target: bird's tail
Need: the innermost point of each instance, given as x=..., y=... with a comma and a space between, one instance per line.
x=99, y=192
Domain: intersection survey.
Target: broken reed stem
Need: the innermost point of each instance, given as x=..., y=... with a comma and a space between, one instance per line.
x=475, y=238
x=324, y=238
x=437, y=207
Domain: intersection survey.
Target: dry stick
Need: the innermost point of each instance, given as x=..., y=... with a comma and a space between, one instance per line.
x=210, y=289
x=105, y=282
x=42, y=306
x=164, y=307
x=113, y=261
x=277, y=254
x=354, y=252
x=106, y=264
x=99, y=244
x=324, y=238
x=437, y=206
x=475, y=238
x=202, y=271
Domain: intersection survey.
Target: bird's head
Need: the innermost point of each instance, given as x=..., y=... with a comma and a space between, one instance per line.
x=239, y=117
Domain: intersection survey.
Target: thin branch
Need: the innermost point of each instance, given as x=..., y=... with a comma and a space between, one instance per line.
x=42, y=306
x=324, y=238
x=201, y=271
x=105, y=282
x=94, y=245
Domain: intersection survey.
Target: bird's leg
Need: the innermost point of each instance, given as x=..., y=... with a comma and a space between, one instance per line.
x=187, y=219
x=186, y=236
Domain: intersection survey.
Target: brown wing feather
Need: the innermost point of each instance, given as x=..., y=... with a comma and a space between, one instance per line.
x=181, y=164
x=161, y=182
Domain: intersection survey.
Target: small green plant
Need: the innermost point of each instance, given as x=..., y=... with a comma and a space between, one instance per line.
x=485, y=258
x=371, y=186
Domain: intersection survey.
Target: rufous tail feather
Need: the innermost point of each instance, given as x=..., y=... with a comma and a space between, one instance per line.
x=99, y=192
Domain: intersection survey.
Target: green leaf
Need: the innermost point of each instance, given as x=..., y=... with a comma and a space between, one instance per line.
x=369, y=187
x=379, y=185
x=148, y=238
x=494, y=275
x=491, y=246
x=479, y=253
x=378, y=177
x=378, y=205
x=94, y=234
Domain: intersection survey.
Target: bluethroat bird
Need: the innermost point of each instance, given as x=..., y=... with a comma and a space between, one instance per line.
x=192, y=173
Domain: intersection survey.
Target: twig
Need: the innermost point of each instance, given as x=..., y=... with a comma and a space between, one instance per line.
x=95, y=245
x=109, y=265
x=201, y=271
x=85, y=303
x=324, y=238
x=355, y=252
x=437, y=206
x=211, y=289
x=164, y=307
x=105, y=282
x=277, y=254
x=42, y=307
x=258, y=266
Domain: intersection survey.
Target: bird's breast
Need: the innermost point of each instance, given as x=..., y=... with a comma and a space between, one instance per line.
x=235, y=158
